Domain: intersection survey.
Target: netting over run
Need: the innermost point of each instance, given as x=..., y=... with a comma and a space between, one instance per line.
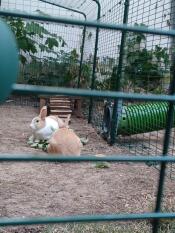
x=51, y=55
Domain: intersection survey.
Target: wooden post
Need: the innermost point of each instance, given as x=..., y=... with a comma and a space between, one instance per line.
x=78, y=107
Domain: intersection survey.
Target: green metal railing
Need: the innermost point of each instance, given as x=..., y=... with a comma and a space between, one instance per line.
x=26, y=89
x=84, y=218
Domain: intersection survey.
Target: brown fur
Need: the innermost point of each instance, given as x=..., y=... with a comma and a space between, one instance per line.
x=64, y=142
x=61, y=123
x=43, y=113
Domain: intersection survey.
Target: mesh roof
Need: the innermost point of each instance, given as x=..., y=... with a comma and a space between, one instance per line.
x=89, y=7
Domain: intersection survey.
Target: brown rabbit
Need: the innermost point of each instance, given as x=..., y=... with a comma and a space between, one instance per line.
x=64, y=142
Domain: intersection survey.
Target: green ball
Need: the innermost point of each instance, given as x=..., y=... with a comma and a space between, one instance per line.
x=9, y=60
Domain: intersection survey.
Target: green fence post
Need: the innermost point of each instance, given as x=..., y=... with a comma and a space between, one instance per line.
x=82, y=53
x=94, y=61
x=118, y=76
x=84, y=34
x=169, y=125
x=9, y=61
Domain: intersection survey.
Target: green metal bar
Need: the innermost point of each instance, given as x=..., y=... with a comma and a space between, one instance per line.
x=64, y=7
x=94, y=61
x=32, y=89
x=93, y=24
x=75, y=159
x=81, y=58
x=84, y=218
x=84, y=34
x=9, y=56
x=117, y=83
x=166, y=144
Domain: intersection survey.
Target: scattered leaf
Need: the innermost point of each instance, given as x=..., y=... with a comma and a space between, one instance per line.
x=84, y=141
x=102, y=165
x=34, y=145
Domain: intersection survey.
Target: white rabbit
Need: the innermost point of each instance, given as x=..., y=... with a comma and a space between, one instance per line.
x=44, y=126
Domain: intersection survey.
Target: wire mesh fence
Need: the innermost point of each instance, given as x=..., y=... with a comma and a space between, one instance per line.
x=146, y=63
x=145, y=66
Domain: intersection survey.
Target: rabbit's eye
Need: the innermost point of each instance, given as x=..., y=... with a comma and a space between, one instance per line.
x=37, y=121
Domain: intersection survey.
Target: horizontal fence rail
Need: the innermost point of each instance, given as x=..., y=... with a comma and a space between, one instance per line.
x=93, y=24
x=75, y=159
x=84, y=218
x=31, y=89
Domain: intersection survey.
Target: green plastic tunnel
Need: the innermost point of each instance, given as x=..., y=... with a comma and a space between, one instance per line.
x=139, y=118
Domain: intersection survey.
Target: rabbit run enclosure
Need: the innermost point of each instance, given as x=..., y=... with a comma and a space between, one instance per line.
x=70, y=56
x=118, y=56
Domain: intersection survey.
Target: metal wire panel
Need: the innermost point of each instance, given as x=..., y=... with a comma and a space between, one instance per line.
x=157, y=215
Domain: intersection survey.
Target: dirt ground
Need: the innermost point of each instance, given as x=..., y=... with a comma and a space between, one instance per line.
x=53, y=189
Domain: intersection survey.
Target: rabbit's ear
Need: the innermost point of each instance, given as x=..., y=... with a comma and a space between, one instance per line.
x=43, y=113
x=66, y=121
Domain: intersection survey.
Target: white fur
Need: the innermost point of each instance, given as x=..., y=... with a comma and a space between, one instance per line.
x=50, y=126
x=32, y=125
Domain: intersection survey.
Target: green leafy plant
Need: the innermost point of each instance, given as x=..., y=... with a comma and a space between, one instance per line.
x=56, y=68
x=86, y=75
x=37, y=144
x=106, y=66
x=144, y=69
x=32, y=38
x=60, y=71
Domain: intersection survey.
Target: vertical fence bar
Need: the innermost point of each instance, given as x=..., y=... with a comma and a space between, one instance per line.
x=118, y=76
x=94, y=61
x=84, y=34
x=82, y=54
x=169, y=126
